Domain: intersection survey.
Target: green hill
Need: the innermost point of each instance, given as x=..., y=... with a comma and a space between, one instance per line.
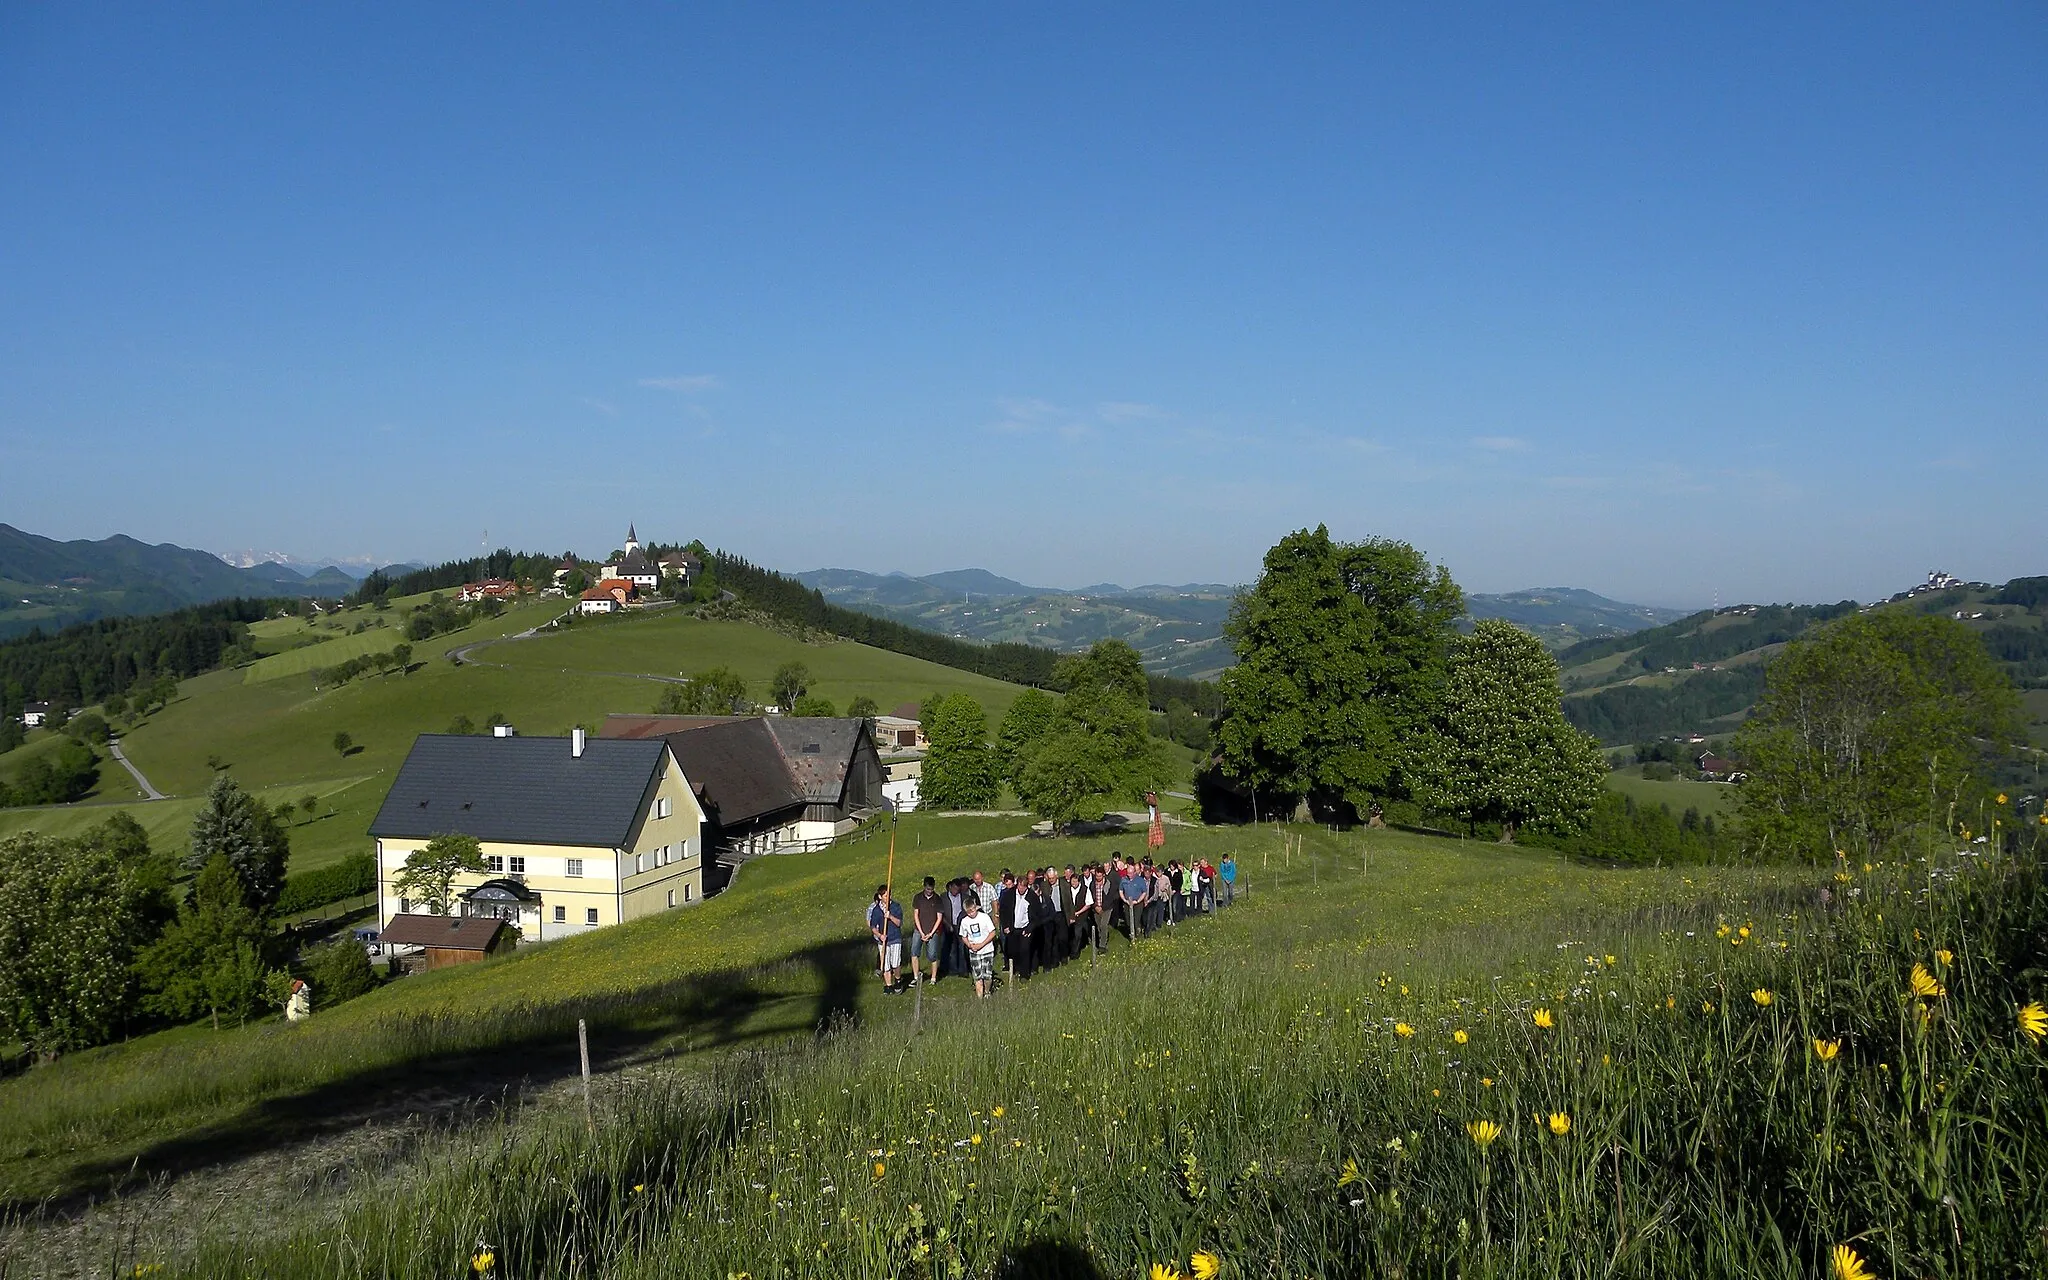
x=273, y=729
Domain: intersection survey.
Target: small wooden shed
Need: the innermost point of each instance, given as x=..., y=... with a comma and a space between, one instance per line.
x=449, y=939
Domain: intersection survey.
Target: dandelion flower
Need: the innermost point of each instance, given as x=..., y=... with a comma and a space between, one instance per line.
x=1944, y=956
x=1543, y=1019
x=1826, y=1050
x=639, y=1187
x=1205, y=1265
x=2001, y=797
x=1923, y=983
x=1161, y=1271
x=2033, y=1021
x=1843, y=1264
x=1560, y=1123
x=1762, y=995
x=1348, y=1174
x=1403, y=1030
x=880, y=1168
x=1670, y=1002
x=1487, y=1081
x=482, y=1261
x=1611, y=962
x=1460, y=1036
x=1706, y=1006
x=997, y=1112
x=976, y=1139
x=1483, y=1132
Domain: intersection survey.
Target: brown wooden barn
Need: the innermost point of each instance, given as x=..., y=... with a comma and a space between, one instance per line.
x=449, y=939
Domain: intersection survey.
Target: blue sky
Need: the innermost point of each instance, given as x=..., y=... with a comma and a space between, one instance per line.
x=1661, y=302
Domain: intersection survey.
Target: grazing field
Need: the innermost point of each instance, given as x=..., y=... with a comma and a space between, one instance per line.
x=325, y=653
x=674, y=644
x=334, y=830
x=1678, y=795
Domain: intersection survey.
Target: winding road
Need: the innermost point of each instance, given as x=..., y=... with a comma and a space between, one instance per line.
x=148, y=792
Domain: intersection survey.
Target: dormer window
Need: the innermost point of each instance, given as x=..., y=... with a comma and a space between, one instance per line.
x=663, y=807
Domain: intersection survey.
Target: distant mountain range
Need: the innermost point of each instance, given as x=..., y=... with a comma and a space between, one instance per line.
x=1177, y=629
x=50, y=584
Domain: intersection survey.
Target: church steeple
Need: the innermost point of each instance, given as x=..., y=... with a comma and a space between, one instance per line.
x=632, y=538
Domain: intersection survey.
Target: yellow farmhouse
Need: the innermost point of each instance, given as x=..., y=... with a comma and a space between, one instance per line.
x=577, y=832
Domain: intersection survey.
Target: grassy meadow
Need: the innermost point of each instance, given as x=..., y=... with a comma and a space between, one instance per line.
x=1290, y=1085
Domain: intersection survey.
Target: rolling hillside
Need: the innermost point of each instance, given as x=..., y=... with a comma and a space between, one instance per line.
x=1703, y=673
x=1178, y=630
x=270, y=726
x=50, y=584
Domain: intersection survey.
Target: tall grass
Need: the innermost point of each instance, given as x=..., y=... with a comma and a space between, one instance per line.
x=1304, y=1110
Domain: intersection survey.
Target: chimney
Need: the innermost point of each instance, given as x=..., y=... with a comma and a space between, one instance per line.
x=577, y=737
x=501, y=731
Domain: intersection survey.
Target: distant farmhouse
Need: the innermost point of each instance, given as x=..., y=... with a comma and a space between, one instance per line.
x=769, y=784
x=488, y=589
x=33, y=715
x=577, y=832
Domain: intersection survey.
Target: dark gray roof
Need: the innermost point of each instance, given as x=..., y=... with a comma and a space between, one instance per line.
x=819, y=750
x=734, y=762
x=523, y=790
x=636, y=564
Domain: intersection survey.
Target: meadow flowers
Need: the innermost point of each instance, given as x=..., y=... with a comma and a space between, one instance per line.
x=1543, y=1019
x=1944, y=956
x=1923, y=984
x=1460, y=1036
x=880, y=1168
x=1483, y=1132
x=482, y=1261
x=1403, y=1030
x=1762, y=995
x=1205, y=1265
x=1826, y=1050
x=1348, y=1174
x=1560, y=1123
x=2033, y=1020
x=1161, y=1271
x=1843, y=1264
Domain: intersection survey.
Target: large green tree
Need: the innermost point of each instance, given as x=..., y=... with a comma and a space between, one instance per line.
x=1499, y=748
x=1027, y=723
x=237, y=826
x=428, y=876
x=719, y=691
x=792, y=680
x=211, y=958
x=1874, y=725
x=959, y=765
x=70, y=917
x=1341, y=648
x=1099, y=749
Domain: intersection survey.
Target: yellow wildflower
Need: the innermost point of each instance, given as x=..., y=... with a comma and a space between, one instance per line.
x=1205, y=1265
x=1460, y=1036
x=1543, y=1019
x=1560, y=1123
x=880, y=1168
x=2033, y=1020
x=1843, y=1264
x=1611, y=962
x=1483, y=1132
x=1487, y=1081
x=2001, y=797
x=976, y=1139
x=1403, y=1030
x=482, y=1261
x=1762, y=996
x=639, y=1187
x=1923, y=983
x=1826, y=1050
x=1348, y=1174
x=1161, y=1271
x=1706, y=1006
x=1670, y=1002
x=1744, y=931
x=1944, y=956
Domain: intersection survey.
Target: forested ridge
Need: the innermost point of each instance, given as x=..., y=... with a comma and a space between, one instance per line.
x=88, y=662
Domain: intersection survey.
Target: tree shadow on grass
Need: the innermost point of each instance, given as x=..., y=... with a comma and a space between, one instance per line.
x=813, y=991
x=1048, y=1258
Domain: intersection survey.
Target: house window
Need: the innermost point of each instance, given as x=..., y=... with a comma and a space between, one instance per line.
x=518, y=866
x=663, y=807
x=590, y=916
x=686, y=893
x=672, y=898
x=492, y=862
x=561, y=915
x=574, y=867
x=639, y=862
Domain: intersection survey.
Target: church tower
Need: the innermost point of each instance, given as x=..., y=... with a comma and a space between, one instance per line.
x=632, y=539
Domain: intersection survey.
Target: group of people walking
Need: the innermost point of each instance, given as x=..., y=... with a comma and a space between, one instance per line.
x=1038, y=919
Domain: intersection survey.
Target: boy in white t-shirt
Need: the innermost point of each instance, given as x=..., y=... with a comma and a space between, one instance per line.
x=978, y=935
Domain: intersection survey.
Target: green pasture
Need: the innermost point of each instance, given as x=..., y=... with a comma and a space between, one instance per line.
x=334, y=831
x=756, y=965
x=1675, y=794
x=326, y=653
x=675, y=644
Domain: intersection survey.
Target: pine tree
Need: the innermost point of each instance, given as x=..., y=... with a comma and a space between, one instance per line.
x=235, y=825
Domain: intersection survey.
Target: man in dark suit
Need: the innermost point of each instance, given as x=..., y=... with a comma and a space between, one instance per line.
x=1013, y=915
x=1080, y=905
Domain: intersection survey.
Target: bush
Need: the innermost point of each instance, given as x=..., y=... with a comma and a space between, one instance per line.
x=338, y=971
x=352, y=877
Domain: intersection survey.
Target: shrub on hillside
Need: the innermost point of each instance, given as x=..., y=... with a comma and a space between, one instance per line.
x=338, y=971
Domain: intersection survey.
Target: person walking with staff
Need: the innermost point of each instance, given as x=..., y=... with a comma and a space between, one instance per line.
x=885, y=922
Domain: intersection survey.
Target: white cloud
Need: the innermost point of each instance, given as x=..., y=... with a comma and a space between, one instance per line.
x=683, y=382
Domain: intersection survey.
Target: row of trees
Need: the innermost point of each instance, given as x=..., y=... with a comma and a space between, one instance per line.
x=96, y=940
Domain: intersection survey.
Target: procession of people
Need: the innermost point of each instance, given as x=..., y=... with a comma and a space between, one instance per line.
x=1030, y=921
